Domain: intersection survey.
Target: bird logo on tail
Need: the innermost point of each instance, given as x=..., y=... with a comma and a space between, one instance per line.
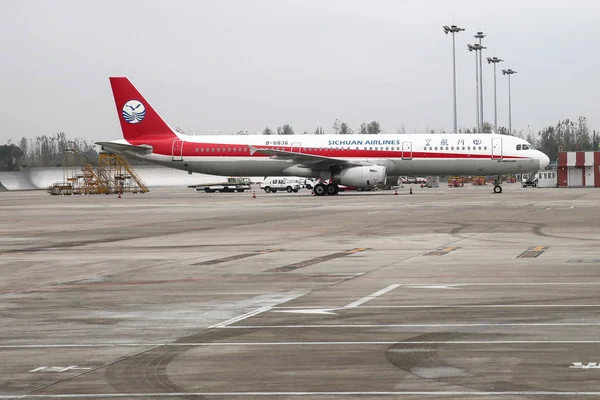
x=133, y=111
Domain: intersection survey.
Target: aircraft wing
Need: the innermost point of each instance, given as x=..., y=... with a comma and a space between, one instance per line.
x=122, y=147
x=307, y=160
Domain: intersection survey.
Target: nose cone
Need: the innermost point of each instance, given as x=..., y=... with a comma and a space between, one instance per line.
x=544, y=160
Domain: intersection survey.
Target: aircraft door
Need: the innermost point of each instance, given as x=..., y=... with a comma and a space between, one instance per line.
x=177, y=153
x=407, y=150
x=496, y=148
x=296, y=147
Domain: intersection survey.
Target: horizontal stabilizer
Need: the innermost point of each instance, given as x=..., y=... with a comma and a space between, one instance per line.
x=126, y=148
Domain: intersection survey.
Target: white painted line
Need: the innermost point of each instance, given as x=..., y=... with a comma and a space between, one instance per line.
x=456, y=325
x=372, y=296
x=430, y=286
x=451, y=306
x=324, y=343
x=309, y=311
x=240, y=318
x=492, y=306
x=305, y=394
x=498, y=283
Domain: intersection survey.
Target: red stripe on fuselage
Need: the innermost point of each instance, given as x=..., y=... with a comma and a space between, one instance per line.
x=164, y=147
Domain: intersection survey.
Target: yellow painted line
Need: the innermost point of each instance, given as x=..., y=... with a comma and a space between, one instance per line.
x=448, y=249
x=537, y=248
x=358, y=250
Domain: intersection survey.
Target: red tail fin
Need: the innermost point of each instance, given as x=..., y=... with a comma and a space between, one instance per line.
x=139, y=122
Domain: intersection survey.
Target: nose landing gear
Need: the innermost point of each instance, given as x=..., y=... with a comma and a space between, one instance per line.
x=497, y=187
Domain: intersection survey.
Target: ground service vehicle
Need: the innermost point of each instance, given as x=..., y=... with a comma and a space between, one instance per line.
x=529, y=180
x=272, y=185
x=232, y=185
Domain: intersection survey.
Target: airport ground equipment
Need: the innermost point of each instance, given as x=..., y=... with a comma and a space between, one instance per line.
x=232, y=185
x=111, y=175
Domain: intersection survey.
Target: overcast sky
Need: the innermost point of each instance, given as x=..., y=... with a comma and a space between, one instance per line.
x=228, y=65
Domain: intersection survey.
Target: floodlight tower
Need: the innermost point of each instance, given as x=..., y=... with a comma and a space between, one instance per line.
x=453, y=29
x=480, y=36
x=509, y=72
x=495, y=60
x=477, y=47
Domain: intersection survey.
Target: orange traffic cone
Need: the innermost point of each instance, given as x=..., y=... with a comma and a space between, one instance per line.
x=254, y=194
x=396, y=192
x=410, y=190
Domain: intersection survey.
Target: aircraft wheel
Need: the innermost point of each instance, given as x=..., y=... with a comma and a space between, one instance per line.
x=497, y=189
x=320, y=190
x=332, y=189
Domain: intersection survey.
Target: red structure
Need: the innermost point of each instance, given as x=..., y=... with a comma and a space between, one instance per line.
x=579, y=169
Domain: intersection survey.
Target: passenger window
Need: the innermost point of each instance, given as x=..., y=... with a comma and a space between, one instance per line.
x=485, y=147
x=463, y=147
x=452, y=148
x=436, y=147
x=446, y=147
x=213, y=149
x=518, y=147
x=479, y=147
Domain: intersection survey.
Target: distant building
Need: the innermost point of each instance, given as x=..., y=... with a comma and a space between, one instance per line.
x=579, y=169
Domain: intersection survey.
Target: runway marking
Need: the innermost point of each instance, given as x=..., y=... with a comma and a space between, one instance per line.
x=490, y=306
x=489, y=283
x=579, y=365
x=585, y=261
x=372, y=296
x=322, y=343
x=442, y=251
x=242, y=317
x=456, y=325
x=533, y=252
x=58, y=369
x=447, y=306
x=303, y=394
x=318, y=260
x=236, y=257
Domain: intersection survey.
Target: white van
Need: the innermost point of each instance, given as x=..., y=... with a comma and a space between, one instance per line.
x=272, y=185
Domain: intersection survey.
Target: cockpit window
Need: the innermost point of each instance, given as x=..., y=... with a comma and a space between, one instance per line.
x=518, y=147
x=525, y=147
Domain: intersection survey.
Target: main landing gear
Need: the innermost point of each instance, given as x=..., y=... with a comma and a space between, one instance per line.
x=497, y=187
x=323, y=190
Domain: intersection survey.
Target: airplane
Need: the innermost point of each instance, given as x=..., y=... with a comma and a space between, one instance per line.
x=363, y=161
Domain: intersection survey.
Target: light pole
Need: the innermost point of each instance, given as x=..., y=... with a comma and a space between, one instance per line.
x=477, y=47
x=480, y=36
x=509, y=72
x=453, y=29
x=495, y=60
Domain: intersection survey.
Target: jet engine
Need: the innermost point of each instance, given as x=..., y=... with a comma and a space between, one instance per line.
x=363, y=177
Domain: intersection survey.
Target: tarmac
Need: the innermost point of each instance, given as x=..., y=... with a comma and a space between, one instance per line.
x=446, y=293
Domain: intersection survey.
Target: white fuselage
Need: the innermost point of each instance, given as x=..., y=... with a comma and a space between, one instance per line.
x=402, y=154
